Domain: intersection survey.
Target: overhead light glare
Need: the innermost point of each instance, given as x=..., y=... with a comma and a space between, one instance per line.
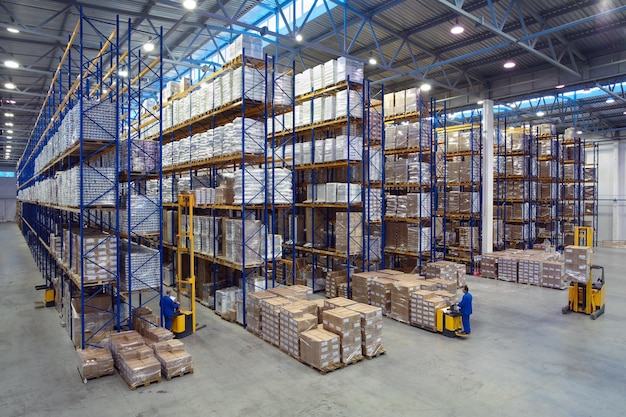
x=8, y=124
x=512, y=105
x=579, y=132
x=9, y=137
x=299, y=37
x=9, y=86
x=559, y=86
x=148, y=46
x=11, y=64
x=9, y=131
x=610, y=100
x=13, y=29
x=425, y=87
x=479, y=102
x=625, y=112
x=372, y=60
x=541, y=113
x=457, y=29
x=10, y=101
x=189, y=4
x=123, y=72
x=8, y=115
x=509, y=64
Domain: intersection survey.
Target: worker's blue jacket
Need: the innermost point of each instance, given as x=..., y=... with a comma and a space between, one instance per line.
x=466, y=304
x=168, y=306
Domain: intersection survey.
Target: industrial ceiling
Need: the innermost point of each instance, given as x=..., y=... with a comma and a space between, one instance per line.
x=580, y=44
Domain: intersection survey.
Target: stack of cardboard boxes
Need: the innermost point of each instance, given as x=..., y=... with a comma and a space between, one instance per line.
x=347, y=324
x=173, y=358
x=371, y=328
x=296, y=318
x=320, y=349
x=94, y=363
x=577, y=262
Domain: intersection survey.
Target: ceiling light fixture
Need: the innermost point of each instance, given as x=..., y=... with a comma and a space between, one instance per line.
x=372, y=60
x=559, y=86
x=8, y=124
x=11, y=101
x=579, y=132
x=457, y=29
x=610, y=100
x=425, y=87
x=541, y=113
x=8, y=115
x=479, y=102
x=509, y=64
x=625, y=112
x=9, y=137
x=9, y=131
x=13, y=28
x=148, y=46
x=189, y=4
x=512, y=105
x=11, y=64
x=299, y=38
x=123, y=72
x=9, y=86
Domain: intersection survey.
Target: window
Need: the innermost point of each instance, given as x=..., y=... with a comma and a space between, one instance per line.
x=7, y=174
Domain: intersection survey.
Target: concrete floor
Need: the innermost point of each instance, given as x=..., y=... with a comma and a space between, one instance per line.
x=524, y=358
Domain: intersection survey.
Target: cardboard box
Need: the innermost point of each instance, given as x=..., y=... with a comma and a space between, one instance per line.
x=319, y=348
x=94, y=363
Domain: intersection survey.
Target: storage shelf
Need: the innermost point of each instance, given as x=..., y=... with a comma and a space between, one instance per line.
x=405, y=151
x=329, y=205
x=321, y=165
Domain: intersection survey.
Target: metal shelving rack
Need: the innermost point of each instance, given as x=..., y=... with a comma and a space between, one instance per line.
x=397, y=252
x=459, y=192
x=320, y=251
x=75, y=145
x=550, y=188
x=273, y=212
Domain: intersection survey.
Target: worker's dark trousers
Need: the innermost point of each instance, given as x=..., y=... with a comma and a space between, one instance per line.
x=466, y=323
x=168, y=323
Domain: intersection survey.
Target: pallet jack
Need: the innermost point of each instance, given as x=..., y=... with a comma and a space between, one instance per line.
x=588, y=297
x=449, y=322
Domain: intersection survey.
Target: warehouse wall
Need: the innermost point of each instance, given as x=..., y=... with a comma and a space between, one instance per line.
x=612, y=190
x=8, y=191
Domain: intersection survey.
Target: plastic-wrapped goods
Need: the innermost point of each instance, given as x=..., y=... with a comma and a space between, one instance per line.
x=402, y=136
x=296, y=318
x=418, y=205
x=349, y=69
x=281, y=182
x=347, y=325
x=577, y=263
x=318, y=77
x=374, y=205
x=330, y=73
x=225, y=299
x=250, y=186
x=140, y=267
x=420, y=134
x=283, y=89
x=424, y=305
x=349, y=233
x=244, y=46
x=94, y=363
x=401, y=297
x=418, y=238
x=416, y=101
x=139, y=366
x=375, y=163
x=390, y=136
x=418, y=172
x=143, y=215
x=348, y=147
x=173, y=357
x=399, y=98
x=320, y=349
x=349, y=104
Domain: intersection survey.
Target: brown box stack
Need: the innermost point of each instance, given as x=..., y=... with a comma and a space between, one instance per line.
x=553, y=275
x=144, y=319
x=507, y=268
x=349, y=234
x=371, y=328
x=293, y=292
x=320, y=348
x=270, y=311
x=138, y=365
x=445, y=285
x=489, y=265
x=361, y=286
x=157, y=334
x=253, y=311
x=295, y=319
x=333, y=279
x=420, y=313
x=577, y=262
x=449, y=297
x=123, y=341
x=94, y=363
x=347, y=324
x=173, y=358
x=337, y=302
x=530, y=268
x=400, y=299
x=380, y=295
x=342, y=290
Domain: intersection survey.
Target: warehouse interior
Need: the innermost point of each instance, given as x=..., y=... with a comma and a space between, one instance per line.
x=316, y=181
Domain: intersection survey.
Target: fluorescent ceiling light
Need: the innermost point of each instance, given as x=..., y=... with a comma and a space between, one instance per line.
x=10, y=86
x=148, y=46
x=509, y=64
x=9, y=114
x=9, y=137
x=425, y=87
x=512, y=105
x=11, y=101
x=457, y=29
x=480, y=102
x=540, y=113
x=13, y=30
x=559, y=86
x=11, y=64
x=9, y=131
x=610, y=100
x=372, y=60
x=189, y=4
x=8, y=124
x=299, y=37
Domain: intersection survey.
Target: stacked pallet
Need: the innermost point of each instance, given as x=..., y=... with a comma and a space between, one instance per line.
x=270, y=313
x=94, y=363
x=333, y=279
x=173, y=357
x=120, y=342
x=371, y=329
x=424, y=306
x=553, y=275
x=320, y=349
x=380, y=293
x=294, y=319
x=138, y=366
x=361, y=286
x=400, y=298
x=347, y=324
x=253, y=311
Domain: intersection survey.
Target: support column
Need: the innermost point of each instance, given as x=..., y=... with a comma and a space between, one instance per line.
x=616, y=191
x=487, y=182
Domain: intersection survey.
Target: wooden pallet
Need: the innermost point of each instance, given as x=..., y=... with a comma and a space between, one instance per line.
x=380, y=352
x=356, y=359
x=327, y=369
x=145, y=383
x=180, y=373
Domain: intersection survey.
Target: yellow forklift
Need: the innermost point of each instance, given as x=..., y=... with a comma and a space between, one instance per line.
x=449, y=322
x=588, y=297
x=184, y=323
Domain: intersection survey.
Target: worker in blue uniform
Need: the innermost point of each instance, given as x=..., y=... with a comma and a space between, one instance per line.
x=465, y=306
x=168, y=308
